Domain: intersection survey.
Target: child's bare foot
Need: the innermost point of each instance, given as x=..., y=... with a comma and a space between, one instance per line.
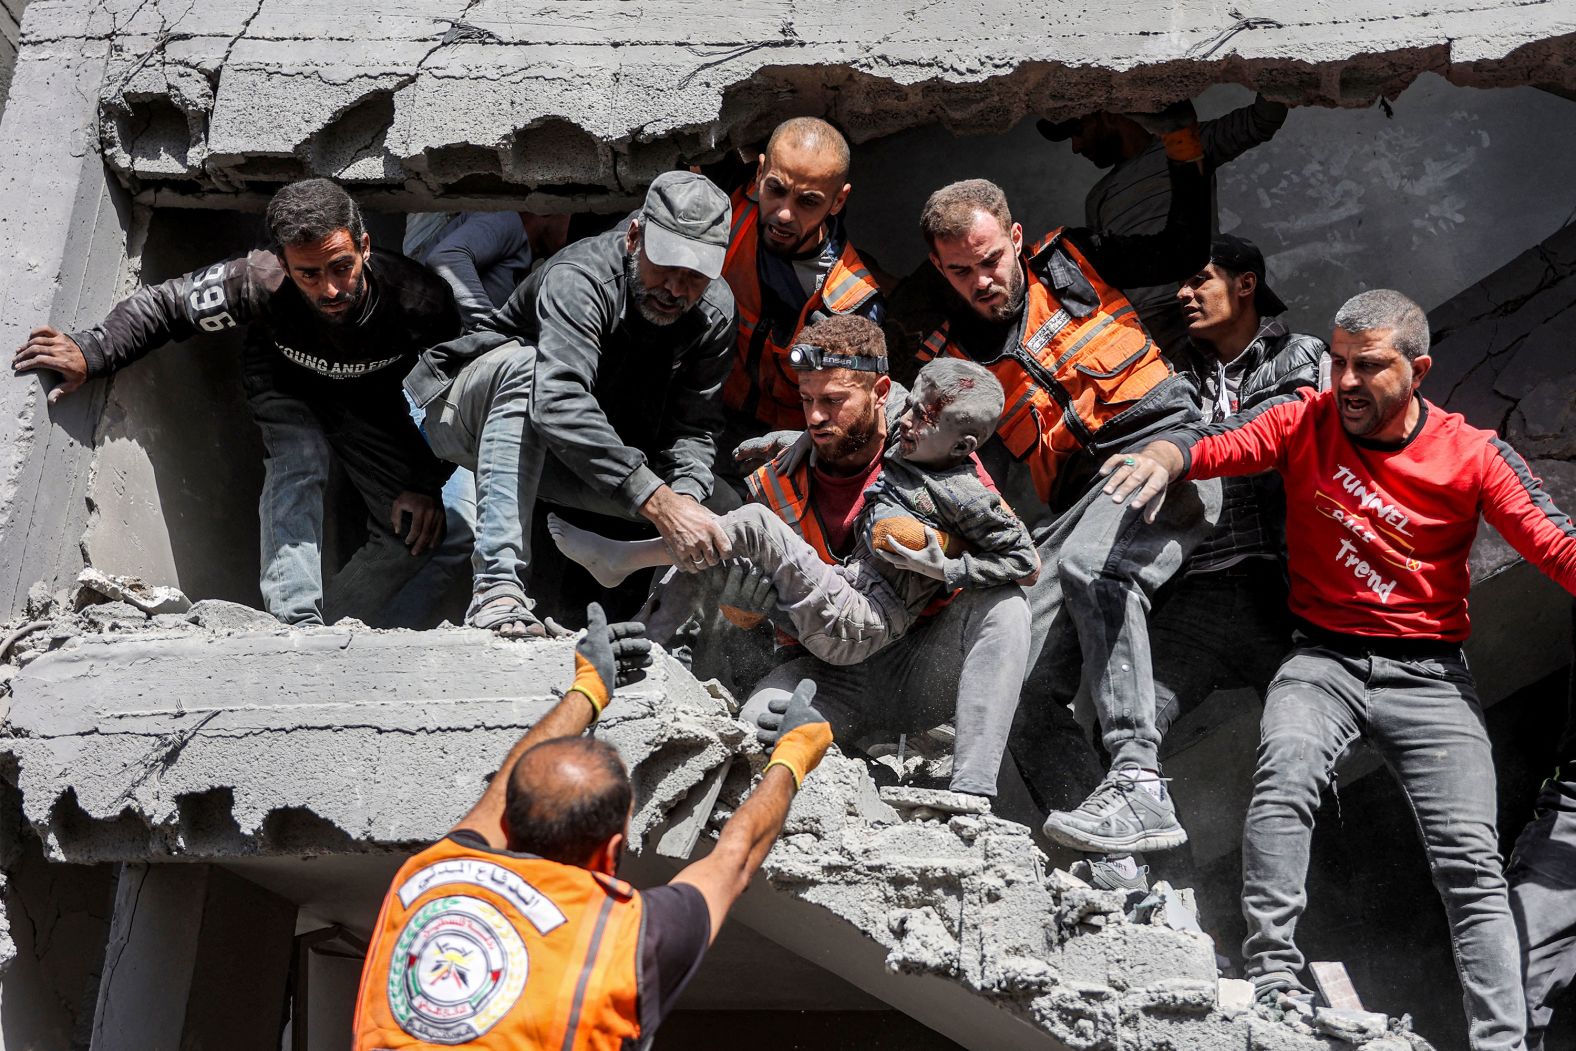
x=607, y=560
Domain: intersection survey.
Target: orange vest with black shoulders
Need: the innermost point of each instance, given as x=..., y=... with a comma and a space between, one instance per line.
x=788, y=497
x=1080, y=360
x=762, y=384
x=503, y=952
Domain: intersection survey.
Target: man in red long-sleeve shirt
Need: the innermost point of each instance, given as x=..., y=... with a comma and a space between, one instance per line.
x=1384, y=491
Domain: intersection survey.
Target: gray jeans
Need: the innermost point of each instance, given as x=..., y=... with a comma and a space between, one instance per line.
x=966, y=663
x=290, y=513
x=483, y=422
x=1091, y=620
x=1542, y=878
x=841, y=614
x=1424, y=719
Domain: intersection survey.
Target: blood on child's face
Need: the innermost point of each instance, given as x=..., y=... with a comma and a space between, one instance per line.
x=928, y=435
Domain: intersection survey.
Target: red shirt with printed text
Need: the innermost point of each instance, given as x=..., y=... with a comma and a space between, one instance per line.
x=1378, y=534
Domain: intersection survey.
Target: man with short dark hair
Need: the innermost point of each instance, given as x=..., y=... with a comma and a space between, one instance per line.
x=1384, y=490
x=1134, y=196
x=1082, y=379
x=597, y=386
x=513, y=931
x=332, y=325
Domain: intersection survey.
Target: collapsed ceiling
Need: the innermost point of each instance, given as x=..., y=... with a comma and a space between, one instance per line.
x=560, y=103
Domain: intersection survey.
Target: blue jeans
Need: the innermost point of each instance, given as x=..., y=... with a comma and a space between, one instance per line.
x=1424, y=718
x=414, y=606
x=483, y=422
x=290, y=511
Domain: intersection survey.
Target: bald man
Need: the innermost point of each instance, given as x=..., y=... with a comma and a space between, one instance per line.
x=789, y=264
x=513, y=932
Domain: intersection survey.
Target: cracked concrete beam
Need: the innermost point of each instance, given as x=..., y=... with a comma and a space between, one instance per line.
x=637, y=86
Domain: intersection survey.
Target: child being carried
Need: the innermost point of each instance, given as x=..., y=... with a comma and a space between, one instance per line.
x=928, y=522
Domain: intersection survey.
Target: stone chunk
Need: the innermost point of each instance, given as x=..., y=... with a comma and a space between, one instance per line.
x=115, y=616
x=1354, y=1027
x=93, y=583
x=920, y=804
x=1234, y=995
x=218, y=615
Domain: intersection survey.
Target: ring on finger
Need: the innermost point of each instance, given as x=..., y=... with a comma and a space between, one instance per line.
x=1128, y=461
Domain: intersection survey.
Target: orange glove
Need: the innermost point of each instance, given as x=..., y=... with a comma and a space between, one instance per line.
x=800, y=734
x=1184, y=144
x=606, y=657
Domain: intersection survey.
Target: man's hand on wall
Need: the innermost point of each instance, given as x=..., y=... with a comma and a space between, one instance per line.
x=50, y=348
x=693, y=535
x=418, y=520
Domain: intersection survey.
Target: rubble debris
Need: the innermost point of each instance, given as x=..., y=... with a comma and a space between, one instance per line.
x=94, y=586
x=112, y=733
x=218, y=615
x=1335, y=985
x=932, y=804
x=1354, y=1027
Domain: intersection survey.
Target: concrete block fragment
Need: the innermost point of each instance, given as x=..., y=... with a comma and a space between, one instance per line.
x=1354, y=1027
x=115, y=616
x=930, y=804
x=147, y=597
x=219, y=615
x=1234, y=995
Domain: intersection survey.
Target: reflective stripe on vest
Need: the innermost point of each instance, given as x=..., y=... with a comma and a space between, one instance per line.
x=762, y=385
x=789, y=499
x=1067, y=376
x=497, y=951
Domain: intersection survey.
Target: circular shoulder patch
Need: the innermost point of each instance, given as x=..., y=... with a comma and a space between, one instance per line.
x=458, y=967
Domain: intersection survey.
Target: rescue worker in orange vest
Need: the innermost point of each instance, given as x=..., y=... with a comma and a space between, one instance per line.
x=789, y=264
x=512, y=932
x=1083, y=380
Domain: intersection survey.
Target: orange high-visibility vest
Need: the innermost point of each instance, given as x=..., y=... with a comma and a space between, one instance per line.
x=502, y=952
x=762, y=384
x=1076, y=367
x=789, y=499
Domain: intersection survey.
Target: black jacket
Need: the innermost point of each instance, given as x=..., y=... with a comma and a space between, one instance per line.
x=1253, y=509
x=347, y=372
x=624, y=404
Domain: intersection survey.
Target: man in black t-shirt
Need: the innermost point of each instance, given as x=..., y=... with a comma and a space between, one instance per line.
x=528, y=877
x=332, y=327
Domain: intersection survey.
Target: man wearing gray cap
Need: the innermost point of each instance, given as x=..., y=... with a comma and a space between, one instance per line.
x=597, y=386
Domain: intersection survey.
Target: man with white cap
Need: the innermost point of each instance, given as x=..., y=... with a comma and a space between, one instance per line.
x=597, y=386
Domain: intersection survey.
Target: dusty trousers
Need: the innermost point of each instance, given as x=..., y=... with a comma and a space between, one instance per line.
x=483, y=422
x=1091, y=623
x=1542, y=878
x=965, y=663
x=1423, y=717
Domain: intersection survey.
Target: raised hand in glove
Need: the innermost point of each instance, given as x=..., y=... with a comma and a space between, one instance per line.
x=747, y=595
x=791, y=446
x=608, y=656
x=1177, y=126
x=799, y=734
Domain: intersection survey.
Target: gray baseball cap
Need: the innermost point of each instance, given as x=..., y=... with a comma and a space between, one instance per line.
x=687, y=220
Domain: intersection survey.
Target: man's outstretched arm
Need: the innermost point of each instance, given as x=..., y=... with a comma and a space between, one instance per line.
x=606, y=657
x=801, y=735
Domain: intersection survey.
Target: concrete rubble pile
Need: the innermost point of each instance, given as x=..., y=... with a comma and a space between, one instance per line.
x=215, y=733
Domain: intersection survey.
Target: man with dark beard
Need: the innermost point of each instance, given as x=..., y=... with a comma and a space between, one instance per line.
x=597, y=386
x=789, y=264
x=1083, y=379
x=332, y=323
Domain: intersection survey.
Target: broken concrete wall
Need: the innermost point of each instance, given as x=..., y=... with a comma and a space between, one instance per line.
x=10, y=40
x=207, y=738
x=482, y=97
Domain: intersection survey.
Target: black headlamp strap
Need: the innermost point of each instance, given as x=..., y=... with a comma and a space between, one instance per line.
x=809, y=358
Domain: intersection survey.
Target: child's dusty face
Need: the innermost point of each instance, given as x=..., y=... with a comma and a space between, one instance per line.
x=927, y=434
